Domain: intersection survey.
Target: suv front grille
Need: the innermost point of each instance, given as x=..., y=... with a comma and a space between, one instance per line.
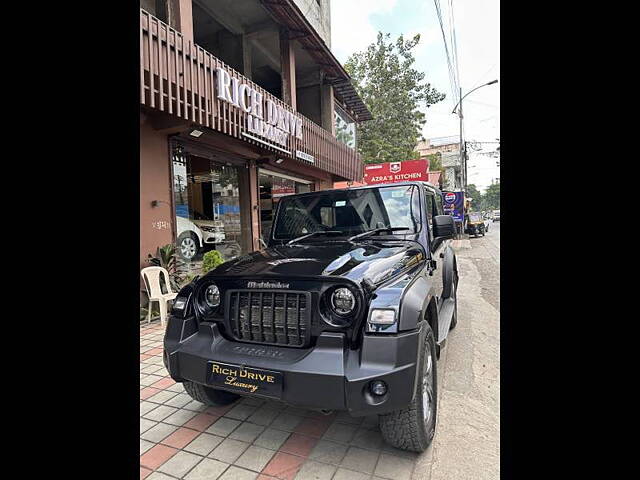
x=270, y=317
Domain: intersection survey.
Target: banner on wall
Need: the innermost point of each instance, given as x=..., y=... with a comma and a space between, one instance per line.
x=453, y=204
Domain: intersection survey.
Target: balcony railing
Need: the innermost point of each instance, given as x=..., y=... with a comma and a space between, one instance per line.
x=179, y=77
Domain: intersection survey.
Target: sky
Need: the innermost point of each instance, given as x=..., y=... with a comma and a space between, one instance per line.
x=355, y=23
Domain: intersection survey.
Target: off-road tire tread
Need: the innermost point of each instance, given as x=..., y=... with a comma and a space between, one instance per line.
x=401, y=428
x=207, y=395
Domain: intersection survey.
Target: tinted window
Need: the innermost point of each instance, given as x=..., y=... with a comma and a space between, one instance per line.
x=349, y=211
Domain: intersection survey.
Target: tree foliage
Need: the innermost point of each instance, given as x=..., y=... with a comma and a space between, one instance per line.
x=394, y=92
x=492, y=197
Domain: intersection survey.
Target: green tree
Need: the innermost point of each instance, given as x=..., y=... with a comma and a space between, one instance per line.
x=393, y=91
x=476, y=197
x=492, y=196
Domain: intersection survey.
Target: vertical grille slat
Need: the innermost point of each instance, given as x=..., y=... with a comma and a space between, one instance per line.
x=269, y=317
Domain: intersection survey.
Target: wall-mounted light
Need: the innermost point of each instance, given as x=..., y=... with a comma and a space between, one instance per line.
x=196, y=133
x=156, y=203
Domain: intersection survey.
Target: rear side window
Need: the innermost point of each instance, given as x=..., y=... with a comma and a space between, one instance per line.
x=439, y=206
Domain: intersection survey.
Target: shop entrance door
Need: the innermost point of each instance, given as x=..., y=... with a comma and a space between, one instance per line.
x=271, y=188
x=207, y=208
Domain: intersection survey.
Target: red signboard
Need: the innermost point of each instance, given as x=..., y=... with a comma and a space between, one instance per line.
x=392, y=172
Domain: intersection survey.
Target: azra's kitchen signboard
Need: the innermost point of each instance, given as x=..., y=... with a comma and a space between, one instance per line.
x=391, y=172
x=265, y=118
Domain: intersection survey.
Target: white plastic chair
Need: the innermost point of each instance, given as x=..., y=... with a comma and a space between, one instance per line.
x=151, y=277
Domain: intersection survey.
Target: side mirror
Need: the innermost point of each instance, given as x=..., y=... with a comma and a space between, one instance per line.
x=443, y=226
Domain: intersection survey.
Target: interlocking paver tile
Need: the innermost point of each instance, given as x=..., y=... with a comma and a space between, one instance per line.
x=147, y=406
x=255, y=458
x=284, y=466
x=180, y=438
x=313, y=427
x=160, y=413
x=256, y=402
x=162, y=396
x=340, y=432
x=164, y=382
x=344, y=474
x=195, y=406
x=219, y=411
x=315, y=471
x=223, y=427
x=204, y=444
x=144, y=446
x=371, y=423
x=396, y=468
x=144, y=473
x=344, y=417
x=150, y=379
x=286, y=421
x=179, y=400
x=235, y=473
x=328, y=452
x=247, y=432
x=241, y=411
x=229, y=450
x=176, y=387
x=159, y=432
x=146, y=425
x=271, y=438
x=263, y=416
x=207, y=469
x=180, y=464
x=159, y=476
x=156, y=456
x=299, y=445
x=368, y=439
x=179, y=417
x=201, y=421
x=360, y=460
x=147, y=392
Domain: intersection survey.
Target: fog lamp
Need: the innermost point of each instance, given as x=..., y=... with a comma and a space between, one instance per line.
x=378, y=387
x=382, y=317
x=179, y=303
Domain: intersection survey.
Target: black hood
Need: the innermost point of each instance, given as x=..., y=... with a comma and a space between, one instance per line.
x=372, y=259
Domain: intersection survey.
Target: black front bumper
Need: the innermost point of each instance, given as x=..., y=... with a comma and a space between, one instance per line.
x=326, y=376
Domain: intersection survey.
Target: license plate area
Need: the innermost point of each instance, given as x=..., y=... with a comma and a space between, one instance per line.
x=246, y=380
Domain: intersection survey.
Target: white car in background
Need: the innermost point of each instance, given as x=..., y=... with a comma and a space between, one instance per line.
x=212, y=231
x=190, y=238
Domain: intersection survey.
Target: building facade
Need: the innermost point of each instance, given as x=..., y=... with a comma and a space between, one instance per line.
x=241, y=103
x=448, y=148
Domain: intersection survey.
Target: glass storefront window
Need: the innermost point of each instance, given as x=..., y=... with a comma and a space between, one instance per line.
x=345, y=128
x=207, y=209
x=272, y=189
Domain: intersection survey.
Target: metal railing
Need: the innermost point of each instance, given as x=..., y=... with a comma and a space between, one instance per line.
x=178, y=77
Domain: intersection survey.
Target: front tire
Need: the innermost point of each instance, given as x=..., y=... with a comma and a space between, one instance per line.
x=188, y=245
x=209, y=396
x=413, y=427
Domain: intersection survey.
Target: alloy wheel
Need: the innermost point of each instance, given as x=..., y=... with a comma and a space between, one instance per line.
x=188, y=248
x=427, y=388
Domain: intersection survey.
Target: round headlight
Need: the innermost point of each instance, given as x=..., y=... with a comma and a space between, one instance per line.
x=212, y=296
x=343, y=301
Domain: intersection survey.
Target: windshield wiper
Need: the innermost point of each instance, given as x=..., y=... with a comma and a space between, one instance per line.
x=376, y=230
x=311, y=235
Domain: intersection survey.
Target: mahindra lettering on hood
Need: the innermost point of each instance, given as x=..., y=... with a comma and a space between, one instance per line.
x=390, y=172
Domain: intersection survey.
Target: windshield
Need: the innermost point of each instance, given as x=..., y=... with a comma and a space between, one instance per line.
x=349, y=212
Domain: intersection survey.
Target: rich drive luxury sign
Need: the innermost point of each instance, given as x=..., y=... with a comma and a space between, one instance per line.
x=265, y=119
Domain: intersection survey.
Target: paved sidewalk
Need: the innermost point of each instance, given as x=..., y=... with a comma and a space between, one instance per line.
x=250, y=439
